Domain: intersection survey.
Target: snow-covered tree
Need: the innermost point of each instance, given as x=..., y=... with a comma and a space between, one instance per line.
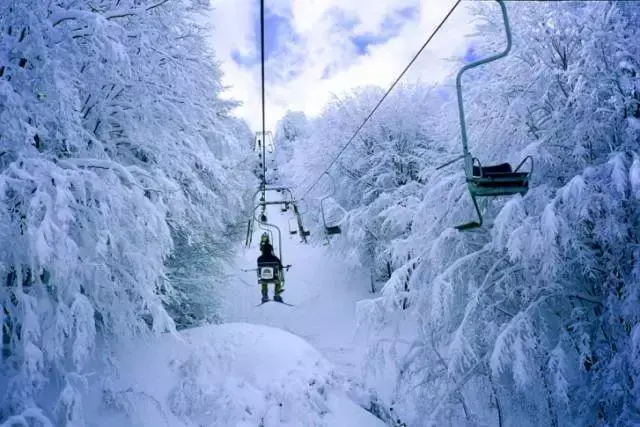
x=115, y=148
x=377, y=178
x=531, y=320
x=291, y=128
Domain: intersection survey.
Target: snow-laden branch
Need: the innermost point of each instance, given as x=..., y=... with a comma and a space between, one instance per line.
x=62, y=15
x=27, y=418
x=132, y=12
x=120, y=170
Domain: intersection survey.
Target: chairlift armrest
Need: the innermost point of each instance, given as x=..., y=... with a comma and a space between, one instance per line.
x=522, y=163
x=450, y=162
x=475, y=160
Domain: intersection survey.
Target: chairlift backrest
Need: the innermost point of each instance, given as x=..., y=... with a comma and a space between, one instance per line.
x=267, y=273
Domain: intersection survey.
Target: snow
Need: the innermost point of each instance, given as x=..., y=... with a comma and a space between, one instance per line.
x=323, y=289
x=258, y=369
x=123, y=179
x=233, y=374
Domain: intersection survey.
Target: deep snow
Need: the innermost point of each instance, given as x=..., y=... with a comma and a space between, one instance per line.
x=234, y=374
x=261, y=368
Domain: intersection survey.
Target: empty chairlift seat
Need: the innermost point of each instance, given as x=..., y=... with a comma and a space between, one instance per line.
x=499, y=179
x=332, y=229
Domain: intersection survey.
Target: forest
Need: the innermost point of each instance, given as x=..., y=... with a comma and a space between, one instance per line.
x=126, y=183
x=534, y=319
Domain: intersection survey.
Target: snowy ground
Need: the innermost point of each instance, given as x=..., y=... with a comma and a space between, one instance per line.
x=233, y=374
x=272, y=365
x=323, y=289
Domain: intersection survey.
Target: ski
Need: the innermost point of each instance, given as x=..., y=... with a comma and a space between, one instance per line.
x=279, y=302
x=285, y=303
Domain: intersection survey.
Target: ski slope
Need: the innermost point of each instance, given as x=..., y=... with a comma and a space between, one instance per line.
x=267, y=366
x=323, y=289
x=233, y=374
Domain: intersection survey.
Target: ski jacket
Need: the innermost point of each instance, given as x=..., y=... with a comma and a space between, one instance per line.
x=268, y=260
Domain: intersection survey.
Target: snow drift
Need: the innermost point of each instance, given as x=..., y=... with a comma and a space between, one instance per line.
x=226, y=375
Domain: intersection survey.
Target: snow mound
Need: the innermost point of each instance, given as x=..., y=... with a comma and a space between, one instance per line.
x=227, y=375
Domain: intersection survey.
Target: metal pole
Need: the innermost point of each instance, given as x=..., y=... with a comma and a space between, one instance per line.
x=277, y=229
x=264, y=142
x=468, y=167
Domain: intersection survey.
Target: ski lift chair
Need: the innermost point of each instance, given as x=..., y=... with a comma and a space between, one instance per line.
x=270, y=272
x=301, y=231
x=272, y=229
x=292, y=230
x=330, y=230
x=494, y=180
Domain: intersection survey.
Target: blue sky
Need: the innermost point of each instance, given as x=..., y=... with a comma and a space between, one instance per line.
x=277, y=29
x=279, y=32
x=389, y=28
x=319, y=48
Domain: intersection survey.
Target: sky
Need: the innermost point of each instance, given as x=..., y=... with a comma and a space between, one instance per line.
x=318, y=49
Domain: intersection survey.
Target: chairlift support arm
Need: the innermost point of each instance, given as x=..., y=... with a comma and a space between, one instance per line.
x=468, y=162
x=267, y=224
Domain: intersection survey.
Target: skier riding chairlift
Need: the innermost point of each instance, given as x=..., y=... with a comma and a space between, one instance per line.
x=269, y=270
x=264, y=239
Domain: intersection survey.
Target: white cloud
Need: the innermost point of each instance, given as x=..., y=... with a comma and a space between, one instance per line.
x=321, y=42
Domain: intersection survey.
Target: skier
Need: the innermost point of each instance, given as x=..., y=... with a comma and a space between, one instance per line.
x=268, y=259
x=264, y=239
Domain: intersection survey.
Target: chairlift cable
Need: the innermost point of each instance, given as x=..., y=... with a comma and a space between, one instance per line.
x=264, y=142
x=415, y=57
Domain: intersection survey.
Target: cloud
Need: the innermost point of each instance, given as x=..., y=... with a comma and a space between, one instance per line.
x=318, y=48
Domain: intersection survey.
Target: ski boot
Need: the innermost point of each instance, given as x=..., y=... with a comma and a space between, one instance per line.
x=277, y=298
